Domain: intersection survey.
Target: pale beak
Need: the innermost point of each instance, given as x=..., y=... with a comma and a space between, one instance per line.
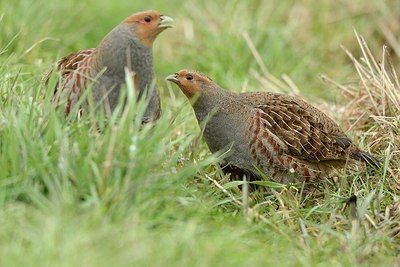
x=173, y=78
x=166, y=22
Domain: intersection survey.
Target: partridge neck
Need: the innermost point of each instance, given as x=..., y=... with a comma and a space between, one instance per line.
x=120, y=49
x=209, y=101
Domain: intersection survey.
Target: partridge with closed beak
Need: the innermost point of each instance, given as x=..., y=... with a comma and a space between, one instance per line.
x=281, y=136
x=127, y=47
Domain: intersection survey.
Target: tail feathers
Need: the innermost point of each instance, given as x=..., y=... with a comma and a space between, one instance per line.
x=369, y=159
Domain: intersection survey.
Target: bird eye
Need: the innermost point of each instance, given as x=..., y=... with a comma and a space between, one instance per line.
x=147, y=19
x=189, y=77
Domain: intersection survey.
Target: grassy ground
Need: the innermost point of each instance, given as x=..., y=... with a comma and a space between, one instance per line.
x=73, y=196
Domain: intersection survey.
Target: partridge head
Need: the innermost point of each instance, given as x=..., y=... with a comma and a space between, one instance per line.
x=126, y=47
x=280, y=136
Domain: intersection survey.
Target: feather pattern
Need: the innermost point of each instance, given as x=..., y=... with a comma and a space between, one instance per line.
x=76, y=74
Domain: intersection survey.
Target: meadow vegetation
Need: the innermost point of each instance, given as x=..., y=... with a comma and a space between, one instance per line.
x=105, y=192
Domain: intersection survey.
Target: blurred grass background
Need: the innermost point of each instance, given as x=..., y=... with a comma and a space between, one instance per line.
x=71, y=196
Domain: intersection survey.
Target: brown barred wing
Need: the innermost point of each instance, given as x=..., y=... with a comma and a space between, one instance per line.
x=307, y=132
x=76, y=74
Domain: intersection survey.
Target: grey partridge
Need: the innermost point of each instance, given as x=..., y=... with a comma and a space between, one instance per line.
x=281, y=136
x=127, y=46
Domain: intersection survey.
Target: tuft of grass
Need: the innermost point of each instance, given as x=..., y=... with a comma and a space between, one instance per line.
x=373, y=108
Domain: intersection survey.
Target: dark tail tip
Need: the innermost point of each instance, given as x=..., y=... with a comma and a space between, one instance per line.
x=369, y=159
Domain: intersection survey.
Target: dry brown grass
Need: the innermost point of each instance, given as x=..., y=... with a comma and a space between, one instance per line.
x=373, y=109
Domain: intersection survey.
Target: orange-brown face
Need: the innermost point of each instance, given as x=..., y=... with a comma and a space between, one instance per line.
x=189, y=81
x=149, y=24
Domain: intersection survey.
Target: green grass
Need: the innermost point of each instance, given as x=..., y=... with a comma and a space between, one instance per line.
x=102, y=192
